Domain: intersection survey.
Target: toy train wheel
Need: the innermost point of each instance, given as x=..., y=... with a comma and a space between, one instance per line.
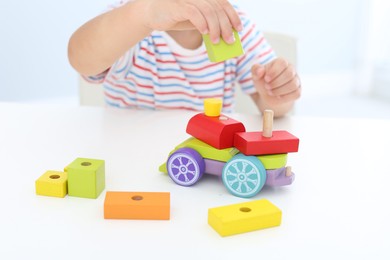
x=244, y=176
x=185, y=166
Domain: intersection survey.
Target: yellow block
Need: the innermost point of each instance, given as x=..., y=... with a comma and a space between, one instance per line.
x=52, y=183
x=273, y=161
x=212, y=107
x=244, y=217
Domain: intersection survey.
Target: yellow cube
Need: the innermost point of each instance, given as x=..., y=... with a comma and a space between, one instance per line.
x=212, y=107
x=244, y=217
x=52, y=183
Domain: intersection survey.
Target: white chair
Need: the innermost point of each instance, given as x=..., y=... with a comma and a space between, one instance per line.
x=284, y=45
x=90, y=94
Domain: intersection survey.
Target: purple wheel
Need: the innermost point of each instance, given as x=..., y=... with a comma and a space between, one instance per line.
x=185, y=166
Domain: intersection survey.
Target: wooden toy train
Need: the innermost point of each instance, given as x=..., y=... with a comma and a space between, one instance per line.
x=220, y=146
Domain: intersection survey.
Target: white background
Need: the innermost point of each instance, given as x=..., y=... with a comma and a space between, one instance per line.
x=337, y=207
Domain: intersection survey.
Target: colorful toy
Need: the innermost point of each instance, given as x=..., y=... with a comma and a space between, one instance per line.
x=86, y=178
x=52, y=183
x=137, y=205
x=220, y=146
x=255, y=143
x=216, y=131
x=244, y=217
x=223, y=51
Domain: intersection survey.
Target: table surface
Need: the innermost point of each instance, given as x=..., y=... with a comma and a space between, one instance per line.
x=337, y=208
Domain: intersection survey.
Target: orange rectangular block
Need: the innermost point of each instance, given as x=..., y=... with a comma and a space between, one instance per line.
x=137, y=205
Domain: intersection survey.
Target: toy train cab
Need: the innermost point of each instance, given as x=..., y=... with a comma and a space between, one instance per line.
x=220, y=146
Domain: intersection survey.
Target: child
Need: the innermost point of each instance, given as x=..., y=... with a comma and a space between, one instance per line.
x=149, y=54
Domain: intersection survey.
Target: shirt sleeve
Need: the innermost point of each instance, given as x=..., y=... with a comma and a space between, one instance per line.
x=257, y=51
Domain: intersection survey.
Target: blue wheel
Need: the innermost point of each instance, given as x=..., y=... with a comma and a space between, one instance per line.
x=185, y=166
x=244, y=176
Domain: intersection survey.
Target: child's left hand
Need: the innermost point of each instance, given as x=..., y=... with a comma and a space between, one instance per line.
x=277, y=84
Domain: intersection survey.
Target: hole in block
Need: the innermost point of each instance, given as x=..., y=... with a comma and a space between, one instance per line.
x=245, y=209
x=137, y=197
x=86, y=163
x=54, y=176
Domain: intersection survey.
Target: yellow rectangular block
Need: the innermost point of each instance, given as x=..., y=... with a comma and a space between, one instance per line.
x=52, y=183
x=244, y=217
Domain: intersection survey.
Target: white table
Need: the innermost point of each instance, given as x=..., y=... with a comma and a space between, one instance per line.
x=337, y=208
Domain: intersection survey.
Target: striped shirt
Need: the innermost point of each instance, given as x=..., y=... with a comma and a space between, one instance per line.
x=158, y=73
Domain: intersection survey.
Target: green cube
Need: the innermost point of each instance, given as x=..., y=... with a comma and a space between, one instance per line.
x=223, y=51
x=86, y=178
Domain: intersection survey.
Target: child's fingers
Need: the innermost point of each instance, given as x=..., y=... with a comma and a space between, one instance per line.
x=205, y=14
x=291, y=96
x=285, y=76
x=225, y=27
x=258, y=72
x=226, y=14
x=232, y=14
x=218, y=15
x=197, y=19
x=275, y=68
x=213, y=25
x=287, y=88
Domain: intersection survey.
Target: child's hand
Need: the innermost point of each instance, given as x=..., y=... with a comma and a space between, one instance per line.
x=277, y=83
x=214, y=17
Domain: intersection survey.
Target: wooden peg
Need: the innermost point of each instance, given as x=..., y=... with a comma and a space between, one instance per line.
x=288, y=171
x=268, y=119
x=212, y=107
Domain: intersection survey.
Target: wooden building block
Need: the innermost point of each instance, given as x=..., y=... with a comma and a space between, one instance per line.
x=212, y=107
x=244, y=176
x=216, y=131
x=52, y=183
x=280, y=177
x=86, y=178
x=223, y=51
x=205, y=150
x=244, y=217
x=137, y=205
x=214, y=167
x=254, y=143
x=273, y=161
x=268, y=122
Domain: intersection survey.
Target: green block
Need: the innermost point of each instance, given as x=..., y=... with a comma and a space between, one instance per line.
x=223, y=51
x=205, y=150
x=163, y=168
x=86, y=178
x=273, y=161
